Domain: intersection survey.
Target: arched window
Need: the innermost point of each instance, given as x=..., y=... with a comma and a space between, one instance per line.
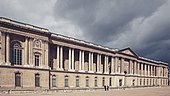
x=66, y=81
x=18, y=79
x=16, y=54
x=53, y=81
x=37, y=80
x=77, y=81
x=87, y=81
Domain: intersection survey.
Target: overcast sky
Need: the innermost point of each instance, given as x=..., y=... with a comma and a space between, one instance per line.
x=143, y=25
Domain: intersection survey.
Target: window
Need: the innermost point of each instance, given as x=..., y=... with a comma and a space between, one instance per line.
x=144, y=82
x=140, y=81
x=53, y=81
x=18, y=79
x=110, y=82
x=95, y=82
x=37, y=80
x=133, y=84
x=37, y=60
x=87, y=81
x=120, y=82
x=103, y=82
x=66, y=81
x=77, y=81
x=16, y=54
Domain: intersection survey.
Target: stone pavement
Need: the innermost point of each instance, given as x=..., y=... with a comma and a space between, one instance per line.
x=156, y=91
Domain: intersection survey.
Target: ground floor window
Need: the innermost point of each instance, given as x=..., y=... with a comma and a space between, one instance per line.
x=110, y=82
x=37, y=80
x=103, y=81
x=87, y=81
x=53, y=81
x=95, y=82
x=120, y=82
x=77, y=81
x=133, y=82
x=66, y=81
x=140, y=81
x=17, y=79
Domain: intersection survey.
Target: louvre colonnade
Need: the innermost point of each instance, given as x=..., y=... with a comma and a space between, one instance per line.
x=34, y=58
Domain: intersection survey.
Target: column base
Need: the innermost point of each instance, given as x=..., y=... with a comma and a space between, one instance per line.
x=71, y=70
x=112, y=73
x=60, y=69
x=90, y=71
x=81, y=71
x=106, y=72
x=99, y=72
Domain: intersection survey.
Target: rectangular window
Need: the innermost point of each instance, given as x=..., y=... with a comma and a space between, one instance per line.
x=120, y=82
x=54, y=81
x=95, y=82
x=77, y=82
x=37, y=60
x=66, y=81
x=110, y=82
x=37, y=80
x=17, y=80
x=87, y=82
x=103, y=82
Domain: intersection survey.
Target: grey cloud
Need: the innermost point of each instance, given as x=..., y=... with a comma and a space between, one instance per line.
x=140, y=24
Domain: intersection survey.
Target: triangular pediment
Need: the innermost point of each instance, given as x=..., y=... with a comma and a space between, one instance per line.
x=128, y=51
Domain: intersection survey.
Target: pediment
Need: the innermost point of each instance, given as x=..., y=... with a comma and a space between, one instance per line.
x=128, y=51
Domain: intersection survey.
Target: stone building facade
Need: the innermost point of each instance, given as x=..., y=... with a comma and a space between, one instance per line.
x=32, y=58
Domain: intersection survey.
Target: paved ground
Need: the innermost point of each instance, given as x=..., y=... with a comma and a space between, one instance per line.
x=159, y=91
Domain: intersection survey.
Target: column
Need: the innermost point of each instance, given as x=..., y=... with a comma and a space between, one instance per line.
x=72, y=60
x=112, y=65
x=98, y=63
x=141, y=68
x=46, y=55
x=30, y=51
x=148, y=70
x=116, y=66
x=7, y=49
x=138, y=69
x=61, y=58
x=105, y=64
x=69, y=61
x=130, y=67
x=80, y=60
x=151, y=70
x=107, y=69
x=145, y=69
x=58, y=57
x=26, y=50
x=154, y=70
x=135, y=68
x=92, y=62
x=122, y=65
x=89, y=62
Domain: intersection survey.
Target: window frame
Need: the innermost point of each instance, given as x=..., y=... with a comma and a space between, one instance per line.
x=16, y=53
x=17, y=79
x=37, y=80
x=66, y=81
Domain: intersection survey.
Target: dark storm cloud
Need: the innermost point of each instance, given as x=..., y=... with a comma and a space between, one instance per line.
x=142, y=25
